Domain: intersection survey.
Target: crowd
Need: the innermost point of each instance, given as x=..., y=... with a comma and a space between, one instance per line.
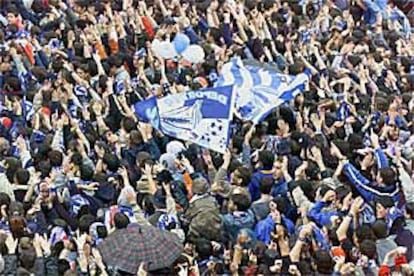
x=323, y=186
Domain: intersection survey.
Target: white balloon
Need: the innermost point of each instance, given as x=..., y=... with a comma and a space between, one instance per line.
x=194, y=54
x=165, y=49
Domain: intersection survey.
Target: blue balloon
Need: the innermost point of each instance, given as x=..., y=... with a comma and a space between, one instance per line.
x=181, y=43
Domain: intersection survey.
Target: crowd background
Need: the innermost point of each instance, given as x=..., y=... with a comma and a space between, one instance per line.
x=323, y=186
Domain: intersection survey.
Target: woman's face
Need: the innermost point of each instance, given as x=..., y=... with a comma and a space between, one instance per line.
x=44, y=190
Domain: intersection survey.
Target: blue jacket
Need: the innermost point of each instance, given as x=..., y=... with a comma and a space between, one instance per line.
x=254, y=185
x=265, y=227
x=233, y=223
x=322, y=218
x=280, y=188
x=370, y=191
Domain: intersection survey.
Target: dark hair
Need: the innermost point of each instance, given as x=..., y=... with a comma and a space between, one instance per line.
x=266, y=185
x=63, y=266
x=324, y=262
x=76, y=159
x=333, y=237
x=102, y=232
x=388, y=176
x=22, y=176
x=13, y=9
x=112, y=162
x=280, y=203
x=324, y=189
x=13, y=164
x=267, y=159
x=341, y=192
x=129, y=124
x=86, y=172
x=369, y=249
x=380, y=229
x=385, y=201
x=85, y=222
x=245, y=174
x=203, y=248
x=115, y=61
x=56, y=158
x=410, y=209
x=241, y=200
x=121, y=221
x=364, y=232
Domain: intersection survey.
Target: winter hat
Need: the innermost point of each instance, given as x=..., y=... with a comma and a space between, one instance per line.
x=175, y=147
x=167, y=161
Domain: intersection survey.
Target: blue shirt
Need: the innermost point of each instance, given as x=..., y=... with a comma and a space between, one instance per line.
x=370, y=15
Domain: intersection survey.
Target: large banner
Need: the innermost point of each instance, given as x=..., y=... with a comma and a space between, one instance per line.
x=202, y=117
x=258, y=88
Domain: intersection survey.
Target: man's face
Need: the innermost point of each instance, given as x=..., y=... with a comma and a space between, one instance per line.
x=44, y=191
x=11, y=19
x=381, y=212
x=235, y=178
x=277, y=170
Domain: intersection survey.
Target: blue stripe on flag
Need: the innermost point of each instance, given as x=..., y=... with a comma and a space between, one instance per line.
x=258, y=89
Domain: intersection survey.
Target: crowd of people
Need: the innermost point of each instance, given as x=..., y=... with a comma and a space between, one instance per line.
x=322, y=186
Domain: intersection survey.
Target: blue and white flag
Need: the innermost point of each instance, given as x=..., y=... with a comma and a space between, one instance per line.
x=258, y=89
x=202, y=117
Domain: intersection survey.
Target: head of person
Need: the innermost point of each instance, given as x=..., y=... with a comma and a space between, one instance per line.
x=323, y=261
x=369, y=249
x=266, y=159
x=240, y=176
x=266, y=186
x=277, y=169
x=239, y=200
x=115, y=62
x=56, y=158
x=121, y=221
x=343, y=196
x=111, y=162
x=12, y=15
x=379, y=227
x=409, y=210
x=382, y=204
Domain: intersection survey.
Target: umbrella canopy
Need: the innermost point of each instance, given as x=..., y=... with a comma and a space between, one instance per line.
x=126, y=249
